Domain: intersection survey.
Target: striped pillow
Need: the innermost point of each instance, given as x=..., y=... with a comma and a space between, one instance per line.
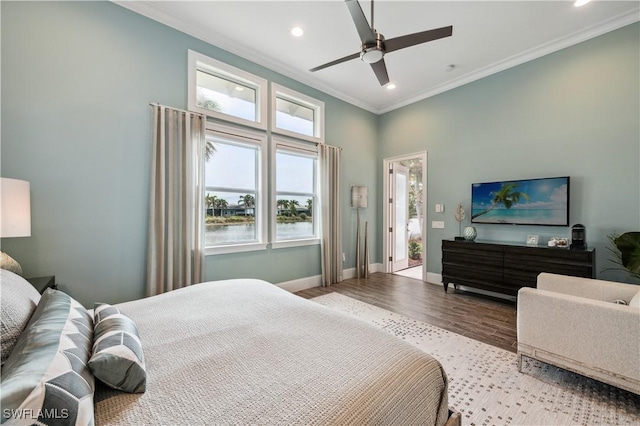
x=46, y=380
x=117, y=358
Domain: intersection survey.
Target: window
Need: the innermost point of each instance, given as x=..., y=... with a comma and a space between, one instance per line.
x=221, y=91
x=296, y=114
x=235, y=213
x=295, y=205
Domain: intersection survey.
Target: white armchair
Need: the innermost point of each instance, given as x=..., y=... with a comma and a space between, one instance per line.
x=572, y=323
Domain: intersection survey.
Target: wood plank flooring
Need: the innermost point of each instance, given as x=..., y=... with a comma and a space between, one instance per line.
x=487, y=319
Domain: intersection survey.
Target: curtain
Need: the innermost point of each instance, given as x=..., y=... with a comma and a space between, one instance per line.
x=175, y=253
x=331, y=223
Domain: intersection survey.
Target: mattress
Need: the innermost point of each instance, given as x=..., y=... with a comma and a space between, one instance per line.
x=248, y=352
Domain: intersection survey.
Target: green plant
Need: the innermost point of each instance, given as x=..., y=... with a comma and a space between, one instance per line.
x=626, y=249
x=415, y=249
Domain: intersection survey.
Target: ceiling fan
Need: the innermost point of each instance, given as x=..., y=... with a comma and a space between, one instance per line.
x=374, y=46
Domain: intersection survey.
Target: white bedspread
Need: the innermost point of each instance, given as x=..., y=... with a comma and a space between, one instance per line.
x=247, y=352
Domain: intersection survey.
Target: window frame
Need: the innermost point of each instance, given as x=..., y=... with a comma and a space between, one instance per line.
x=278, y=91
x=197, y=61
x=305, y=149
x=258, y=139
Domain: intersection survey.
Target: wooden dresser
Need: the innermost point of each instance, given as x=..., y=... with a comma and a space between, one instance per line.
x=506, y=267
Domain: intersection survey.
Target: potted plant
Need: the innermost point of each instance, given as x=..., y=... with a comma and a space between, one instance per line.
x=626, y=249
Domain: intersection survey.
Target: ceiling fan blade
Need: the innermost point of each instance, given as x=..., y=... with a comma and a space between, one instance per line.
x=417, y=38
x=380, y=69
x=336, y=62
x=362, y=25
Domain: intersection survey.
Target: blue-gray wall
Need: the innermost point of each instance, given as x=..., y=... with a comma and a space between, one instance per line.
x=77, y=79
x=574, y=112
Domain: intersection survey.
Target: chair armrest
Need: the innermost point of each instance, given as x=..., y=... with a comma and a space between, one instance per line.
x=607, y=291
x=591, y=332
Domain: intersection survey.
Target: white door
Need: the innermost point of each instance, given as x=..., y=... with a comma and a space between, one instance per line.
x=399, y=229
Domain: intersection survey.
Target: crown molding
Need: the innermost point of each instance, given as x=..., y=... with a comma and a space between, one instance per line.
x=154, y=11
x=526, y=56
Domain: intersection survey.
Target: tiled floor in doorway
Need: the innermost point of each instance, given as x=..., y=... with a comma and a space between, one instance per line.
x=415, y=272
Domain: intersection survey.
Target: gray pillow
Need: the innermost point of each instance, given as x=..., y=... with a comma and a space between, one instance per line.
x=46, y=379
x=19, y=300
x=117, y=358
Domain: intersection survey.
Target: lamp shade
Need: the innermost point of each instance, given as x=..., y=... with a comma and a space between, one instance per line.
x=15, y=208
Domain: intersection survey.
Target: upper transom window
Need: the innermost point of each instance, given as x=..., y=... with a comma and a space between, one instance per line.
x=296, y=115
x=221, y=91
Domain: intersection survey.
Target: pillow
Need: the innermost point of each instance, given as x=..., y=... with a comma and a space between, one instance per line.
x=46, y=378
x=7, y=262
x=19, y=300
x=635, y=301
x=117, y=358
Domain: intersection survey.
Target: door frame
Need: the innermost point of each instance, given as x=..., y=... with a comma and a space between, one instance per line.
x=386, y=246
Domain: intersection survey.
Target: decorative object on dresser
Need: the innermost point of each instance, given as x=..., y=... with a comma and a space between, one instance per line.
x=15, y=216
x=470, y=233
x=460, y=215
x=504, y=267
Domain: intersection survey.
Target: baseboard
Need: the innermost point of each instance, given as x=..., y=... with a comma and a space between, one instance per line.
x=351, y=272
x=301, y=283
x=316, y=280
x=433, y=278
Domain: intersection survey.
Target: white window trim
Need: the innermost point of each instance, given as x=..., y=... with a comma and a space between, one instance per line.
x=295, y=243
x=311, y=150
x=260, y=139
x=317, y=106
x=227, y=71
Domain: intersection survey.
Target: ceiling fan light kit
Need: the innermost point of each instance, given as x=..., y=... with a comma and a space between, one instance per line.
x=373, y=53
x=374, y=47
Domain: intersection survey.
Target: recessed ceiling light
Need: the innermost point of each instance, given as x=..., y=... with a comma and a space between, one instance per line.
x=297, y=31
x=390, y=86
x=579, y=3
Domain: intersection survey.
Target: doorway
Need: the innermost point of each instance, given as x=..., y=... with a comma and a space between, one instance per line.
x=404, y=218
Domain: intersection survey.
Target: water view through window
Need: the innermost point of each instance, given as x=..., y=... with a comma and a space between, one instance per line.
x=233, y=198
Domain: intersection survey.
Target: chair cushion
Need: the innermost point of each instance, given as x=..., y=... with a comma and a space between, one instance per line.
x=19, y=300
x=635, y=301
x=117, y=358
x=46, y=380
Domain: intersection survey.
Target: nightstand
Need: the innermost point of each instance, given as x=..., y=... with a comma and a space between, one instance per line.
x=43, y=283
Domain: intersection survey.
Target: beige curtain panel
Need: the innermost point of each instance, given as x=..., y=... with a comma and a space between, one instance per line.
x=175, y=256
x=331, y=222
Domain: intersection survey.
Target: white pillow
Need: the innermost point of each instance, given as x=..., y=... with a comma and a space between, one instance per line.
x=635, y=301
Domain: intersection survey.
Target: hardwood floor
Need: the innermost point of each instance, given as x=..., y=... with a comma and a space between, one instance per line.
x=489, y=320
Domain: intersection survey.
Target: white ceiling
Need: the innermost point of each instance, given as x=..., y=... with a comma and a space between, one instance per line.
x=488, y=37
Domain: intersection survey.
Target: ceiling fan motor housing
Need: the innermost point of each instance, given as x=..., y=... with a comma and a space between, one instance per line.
x=373, y=52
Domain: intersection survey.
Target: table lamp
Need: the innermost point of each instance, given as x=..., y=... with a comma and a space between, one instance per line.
x=15, y=216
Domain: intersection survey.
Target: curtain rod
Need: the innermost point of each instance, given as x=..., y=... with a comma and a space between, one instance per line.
x=156, y=104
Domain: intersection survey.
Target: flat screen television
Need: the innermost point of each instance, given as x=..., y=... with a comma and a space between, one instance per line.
x=543, y=201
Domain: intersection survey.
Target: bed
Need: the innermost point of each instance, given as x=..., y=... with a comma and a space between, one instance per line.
x=247, y=352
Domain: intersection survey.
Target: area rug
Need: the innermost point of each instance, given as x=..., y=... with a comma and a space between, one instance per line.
x=485, y=385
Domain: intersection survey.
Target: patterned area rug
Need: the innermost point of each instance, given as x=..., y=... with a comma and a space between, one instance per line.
x=484, y=382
